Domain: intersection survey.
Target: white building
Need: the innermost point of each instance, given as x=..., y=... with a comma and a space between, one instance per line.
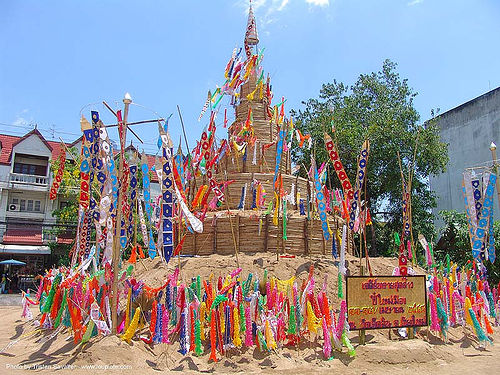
x=25, y=207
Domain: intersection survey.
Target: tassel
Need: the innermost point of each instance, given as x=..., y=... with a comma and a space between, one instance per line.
x=340, y=291
x=292, y=325
x=477, y=327
x=270, y=341
x=434, y=316
x=61, y=310
x=197, y=332
x=468, y=308
x=192, y=336
x=487, y=325
x=127, y=336
x=164, y=327
x=213, y=354
x=334, y=248
x=313, y=323
x=236, y=331
x=442, y=316
x=88, y=332
x=261, y=341
x=248, y=328
x=133, y=256
x=350, y=349
x=152, y=325
x=183, y=333
x=339, y=329
x=327, y=345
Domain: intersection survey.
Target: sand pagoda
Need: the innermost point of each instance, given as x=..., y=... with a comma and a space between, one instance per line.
x=246, y=221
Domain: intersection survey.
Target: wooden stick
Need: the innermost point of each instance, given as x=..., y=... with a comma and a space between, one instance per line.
x=232, y=229
x=188, y=149
x=116, y=239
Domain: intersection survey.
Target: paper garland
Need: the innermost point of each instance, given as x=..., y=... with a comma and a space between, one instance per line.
x=339, y=168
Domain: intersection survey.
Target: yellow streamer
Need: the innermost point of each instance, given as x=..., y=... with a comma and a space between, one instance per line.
x=270, y=341
x=129, y=333
x=236, y=333
x=313, y=323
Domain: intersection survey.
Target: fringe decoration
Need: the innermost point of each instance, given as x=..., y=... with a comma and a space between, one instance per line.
x=477, y=327
x=213, y=354
x=236, y=329
x=340, y=291
x=434, y=316
x=129, y=333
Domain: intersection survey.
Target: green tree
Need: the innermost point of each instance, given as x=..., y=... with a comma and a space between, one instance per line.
x=378, y=107
x=455, y=241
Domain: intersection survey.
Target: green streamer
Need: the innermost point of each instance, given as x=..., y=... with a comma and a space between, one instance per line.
x=218, y=300
x=477, y=327
x=50, y=298
x=340, y=292
x=88, y=332
x=448, y=265
x=197, y=340
x=262, y=341
x=247, y=284
x=243, y=326
x=292, y=324
x=198, y=287
x=61, y=310
x=396, y=239
x=347, y=343
x=442, y=316
x=493, y=313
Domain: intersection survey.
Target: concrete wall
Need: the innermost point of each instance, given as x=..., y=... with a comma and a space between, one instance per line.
x=468, y=130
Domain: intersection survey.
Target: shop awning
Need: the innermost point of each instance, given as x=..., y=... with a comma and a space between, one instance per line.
x=27, y=236
x=24, y=249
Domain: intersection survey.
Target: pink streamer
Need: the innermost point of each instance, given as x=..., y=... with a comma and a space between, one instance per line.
x=434, y=317
x=248, y=326
x=327, y=345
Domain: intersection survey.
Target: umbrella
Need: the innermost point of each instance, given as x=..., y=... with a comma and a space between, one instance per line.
x=13, y=262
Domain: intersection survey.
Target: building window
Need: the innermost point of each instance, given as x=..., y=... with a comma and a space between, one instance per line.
x=31, y=169
x=15, y=201
x=29, y=205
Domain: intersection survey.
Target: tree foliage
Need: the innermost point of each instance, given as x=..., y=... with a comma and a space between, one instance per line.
x=455, y=241
x=379, y=107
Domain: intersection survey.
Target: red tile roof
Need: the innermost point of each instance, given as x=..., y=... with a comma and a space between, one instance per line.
x=9, y=141
x=66, y=238
x=23, y=236
x=6, y=141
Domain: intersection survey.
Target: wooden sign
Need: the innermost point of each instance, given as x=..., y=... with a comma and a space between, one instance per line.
x=375, y=302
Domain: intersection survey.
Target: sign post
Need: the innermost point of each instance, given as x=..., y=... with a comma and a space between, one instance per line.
x=375, y=302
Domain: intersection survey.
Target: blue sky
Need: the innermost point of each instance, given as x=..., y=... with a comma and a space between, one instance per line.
x=58, y=56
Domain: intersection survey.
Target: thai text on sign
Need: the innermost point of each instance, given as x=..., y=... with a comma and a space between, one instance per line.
x=386, y=302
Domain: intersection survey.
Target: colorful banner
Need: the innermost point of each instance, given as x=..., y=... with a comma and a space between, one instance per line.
x=362, y=162
x=375, y=302
x=147, y=204
x=321, y=201
x=480, y=237
x=59, y=175
x=339, y=168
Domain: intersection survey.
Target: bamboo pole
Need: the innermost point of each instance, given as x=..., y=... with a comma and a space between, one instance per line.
x=116, y=238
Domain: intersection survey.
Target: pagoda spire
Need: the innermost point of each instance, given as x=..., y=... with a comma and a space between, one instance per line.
x=251, y=35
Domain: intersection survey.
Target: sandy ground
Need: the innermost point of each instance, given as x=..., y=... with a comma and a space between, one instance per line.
x=24, y=349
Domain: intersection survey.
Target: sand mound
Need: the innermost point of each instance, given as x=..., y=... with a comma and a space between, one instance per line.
x=382, y=354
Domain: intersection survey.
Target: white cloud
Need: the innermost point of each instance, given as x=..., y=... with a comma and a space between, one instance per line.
x=415, y=2
x=321, y=3
x=282, y=6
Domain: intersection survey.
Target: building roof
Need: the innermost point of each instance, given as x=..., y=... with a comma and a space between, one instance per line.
x=8, y=142
x=27, y=236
